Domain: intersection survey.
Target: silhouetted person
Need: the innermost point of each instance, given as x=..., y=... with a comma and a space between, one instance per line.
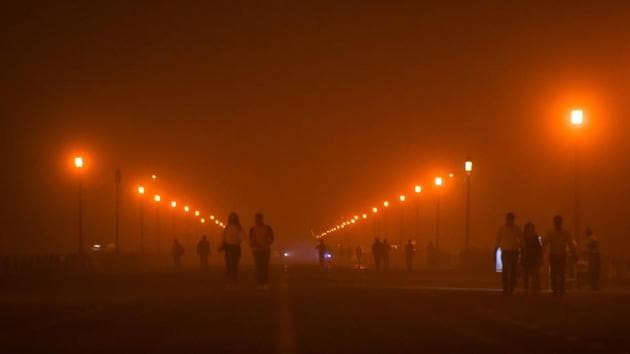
x=594, y=259
x=233, y=235
x=558, y=240
x=531, y=258
x=203, y=251
x=386, y=249
x=177, y=251
x=359, y=254
x=377, y=252
x=509, y=241
x=410, y=250
x=260, y=239
x=321, y=253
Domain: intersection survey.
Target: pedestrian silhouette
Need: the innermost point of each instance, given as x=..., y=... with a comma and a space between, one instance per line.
x=233, y=235
x=203, y=251
x=558, y=241
x=385, y=254
x=260, y=239
x=509, y=241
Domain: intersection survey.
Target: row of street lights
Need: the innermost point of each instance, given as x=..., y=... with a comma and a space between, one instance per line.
x=80, y=164
x=576, y=120
x=438, y=182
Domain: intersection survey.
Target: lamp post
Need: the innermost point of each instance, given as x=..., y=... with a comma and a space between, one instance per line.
x=468, y=166
x=384, y=217
x=438, y=186
x=377, y=225
x=141, y=193
x=117, y=179
x=577, y=121
x=418, y=190
x=78, y=165
x=401, y=235
x=157, y=200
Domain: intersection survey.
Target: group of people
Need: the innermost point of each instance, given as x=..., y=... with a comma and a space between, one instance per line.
x=527, y=248
x=260, y=238
x=380, y=251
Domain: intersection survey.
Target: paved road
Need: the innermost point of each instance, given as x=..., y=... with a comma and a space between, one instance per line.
x=305, y=312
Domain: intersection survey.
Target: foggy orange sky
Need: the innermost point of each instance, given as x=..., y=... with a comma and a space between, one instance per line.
x=313, y=111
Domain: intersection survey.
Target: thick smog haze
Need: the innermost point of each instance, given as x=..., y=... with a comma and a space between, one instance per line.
x=312, y=113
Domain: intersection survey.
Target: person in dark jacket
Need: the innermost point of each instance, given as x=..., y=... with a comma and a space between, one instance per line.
x=260, y=239
x=531, y=258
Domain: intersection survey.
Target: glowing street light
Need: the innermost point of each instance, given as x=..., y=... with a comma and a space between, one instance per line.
x=468, y=166
x=577, y=117
x=157, y=198
x=186, y=208
x=203, y=221
x=418, y=190
x=374, y=210
x=386, y=204
x=197, y=213
x=211, y=217
x=577, y=121
x=173, y=204
x=438, y=184
x=364, y=216
x=154, y=177
x=141, y=193
x=402, y=198
x=78, y=165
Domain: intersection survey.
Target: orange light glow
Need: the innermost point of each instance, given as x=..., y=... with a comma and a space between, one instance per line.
x=356, y=217
x=353, y=221
x=577, y=117
x=203, y=221
x=468, y=166
x=173, y=204
x=78, y=162
x=157, y=198
x=186, y=208
x=364, y=216
x=438, y=181
x=197, y=213
x=402, y=198
x=211, y=217
x=154, y=177
x=418, y=189
x=375, y=210
x=385, y=204
x=451, y=175
x=140, y=190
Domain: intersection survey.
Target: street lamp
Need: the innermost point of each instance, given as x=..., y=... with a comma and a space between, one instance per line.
x=141, y=193
x=402, y=199
x=418, y=190
x=438, y=185
x=384, y=218
x=468, y=166
x=577, y=121
x=157, y=200
x=78, y=165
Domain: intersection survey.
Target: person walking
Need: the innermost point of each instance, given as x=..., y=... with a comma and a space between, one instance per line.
x=233, y=235
x=203, y=251
x=558, y=240
x=358, y=252
x=509, y=241
x=531, y=258
x=260, y=239
x=594, y=259
x=177, y=251
x=410, y=250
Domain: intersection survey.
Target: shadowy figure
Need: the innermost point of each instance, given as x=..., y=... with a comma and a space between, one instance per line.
x=233, y=235
x=377, y=252
x=509, y=241
x=177, y=251
x=410, y=250
x=203, y=251
x=260, y=240
x=322, y=250
x=531, y=258
x=385, y=254
x=594, y=259
x=559, y=240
